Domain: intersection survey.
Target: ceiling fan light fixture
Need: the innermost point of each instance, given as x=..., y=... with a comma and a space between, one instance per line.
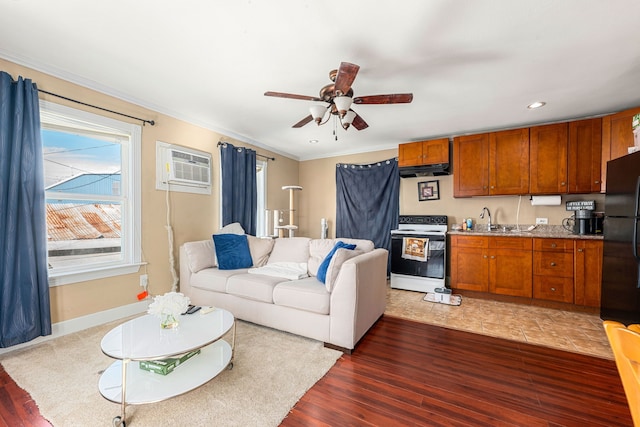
x=348, y=119
x=342, y=103
x=317, y=112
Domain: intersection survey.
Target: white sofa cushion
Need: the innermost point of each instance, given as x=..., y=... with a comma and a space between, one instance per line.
x=292, y=249
x=339, y=257
x=320, y=248
x=260, y=249
x=213, y=279
x=253, y=286
x=304, y=294
x=200, y=255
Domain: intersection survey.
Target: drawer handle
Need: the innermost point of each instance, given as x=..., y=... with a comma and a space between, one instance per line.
x=485, y=257
x=553, y=245
x=493, y=257
x=553, y=264
x=597, y=182
x=553, y=289
x=580, y=250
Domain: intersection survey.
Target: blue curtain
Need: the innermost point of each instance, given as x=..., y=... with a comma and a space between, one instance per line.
x=25, y=312
x=368, y=201
x=239, y=188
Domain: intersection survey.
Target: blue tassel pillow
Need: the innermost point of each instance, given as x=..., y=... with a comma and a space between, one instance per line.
x=232, y=251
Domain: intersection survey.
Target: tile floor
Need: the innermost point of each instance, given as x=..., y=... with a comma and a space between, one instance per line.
x=565, y=330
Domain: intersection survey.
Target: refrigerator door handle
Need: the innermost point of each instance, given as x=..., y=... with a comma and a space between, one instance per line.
x=634, y=241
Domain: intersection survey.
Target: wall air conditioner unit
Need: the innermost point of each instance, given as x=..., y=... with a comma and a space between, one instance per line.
x=182, y=169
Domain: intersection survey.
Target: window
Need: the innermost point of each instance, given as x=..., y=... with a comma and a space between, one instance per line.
x=261, y=184
x=92, y=190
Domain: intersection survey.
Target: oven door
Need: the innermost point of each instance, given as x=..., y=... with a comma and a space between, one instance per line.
x=408, y=259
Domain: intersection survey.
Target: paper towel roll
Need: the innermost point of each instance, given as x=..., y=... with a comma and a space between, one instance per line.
x=545, y=200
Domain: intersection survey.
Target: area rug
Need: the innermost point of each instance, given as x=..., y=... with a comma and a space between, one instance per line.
x=271, y=372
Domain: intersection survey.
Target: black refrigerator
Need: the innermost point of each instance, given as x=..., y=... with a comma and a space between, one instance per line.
x=620, y=298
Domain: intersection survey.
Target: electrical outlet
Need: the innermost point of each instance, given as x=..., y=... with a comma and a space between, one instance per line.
x=542, y=221
x=144, y=280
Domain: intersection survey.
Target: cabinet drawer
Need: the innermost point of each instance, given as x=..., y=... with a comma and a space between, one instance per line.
x=469, y=241
x=556, y=245
x=553, y=288
x=553, y=264
x=518, y=243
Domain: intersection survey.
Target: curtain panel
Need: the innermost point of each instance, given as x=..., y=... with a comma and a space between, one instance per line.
x=25, y=311
x=239, y=188
x=368, y=201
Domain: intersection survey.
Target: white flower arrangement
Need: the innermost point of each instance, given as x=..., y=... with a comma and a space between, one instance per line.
x=169, y=306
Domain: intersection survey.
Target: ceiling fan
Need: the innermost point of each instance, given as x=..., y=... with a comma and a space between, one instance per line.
x=338, y=97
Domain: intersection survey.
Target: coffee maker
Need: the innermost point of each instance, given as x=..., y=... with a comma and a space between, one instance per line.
x=582, y=222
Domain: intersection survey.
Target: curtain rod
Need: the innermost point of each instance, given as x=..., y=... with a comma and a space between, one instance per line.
x=151, y=122
x=259, y=155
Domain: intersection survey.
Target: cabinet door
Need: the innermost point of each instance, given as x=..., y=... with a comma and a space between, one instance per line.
x=617, y=137
x=471, y=165
x=510, y=272
x=549, y=158
x=509, y=162
x=469, y=263
x=588, y=272
x=585, y=156
x=410, y=154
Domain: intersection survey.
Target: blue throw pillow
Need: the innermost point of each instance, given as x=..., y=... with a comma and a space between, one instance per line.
x=232, y=251
x=322, y=270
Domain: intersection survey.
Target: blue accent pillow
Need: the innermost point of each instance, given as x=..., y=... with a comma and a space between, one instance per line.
x=322, y=270
x=232, y=251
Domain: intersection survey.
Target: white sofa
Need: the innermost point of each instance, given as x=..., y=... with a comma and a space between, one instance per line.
x=338, y=312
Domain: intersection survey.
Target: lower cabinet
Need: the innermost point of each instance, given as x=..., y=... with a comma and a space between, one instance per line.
x=500, y=265
x=588, y=272
x=563, y=270
x=553, y=269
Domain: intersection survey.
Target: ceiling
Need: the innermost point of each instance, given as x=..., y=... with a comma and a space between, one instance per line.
x=472, y=65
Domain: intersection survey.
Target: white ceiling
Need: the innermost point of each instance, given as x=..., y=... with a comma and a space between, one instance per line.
x=472, y=65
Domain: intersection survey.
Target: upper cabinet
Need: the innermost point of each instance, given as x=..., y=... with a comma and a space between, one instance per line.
x=423, y=152
x=585, y=154
x=491, y=163
x=548, y=150
x=561, y=158
x=617, y=137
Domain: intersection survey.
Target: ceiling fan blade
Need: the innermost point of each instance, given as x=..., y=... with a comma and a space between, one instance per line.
x=303, y=122
x=346, y=75
x=396, y=98
x=292, y=96
x=359, y=123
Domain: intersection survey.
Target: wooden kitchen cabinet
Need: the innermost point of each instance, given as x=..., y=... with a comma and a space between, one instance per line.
x=423, y=152
x=500, y=265
x=495, y=163
x=553, y=269
x=588, y=272
x=585, y=156
x=548, y=150
x=617, y=137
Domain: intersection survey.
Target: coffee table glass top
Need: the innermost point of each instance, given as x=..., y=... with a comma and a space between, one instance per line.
x=142, y=338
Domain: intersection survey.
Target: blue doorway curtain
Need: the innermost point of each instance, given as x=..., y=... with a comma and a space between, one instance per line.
x=25, y=312
x=368, y=201
x=239, y=188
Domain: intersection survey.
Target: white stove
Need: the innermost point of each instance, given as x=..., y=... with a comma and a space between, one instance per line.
x=419, y=253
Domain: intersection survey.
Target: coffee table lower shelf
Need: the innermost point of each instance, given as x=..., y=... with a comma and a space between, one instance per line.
x=149, y=387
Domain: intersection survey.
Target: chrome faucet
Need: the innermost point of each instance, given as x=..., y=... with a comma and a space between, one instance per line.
x=482, y=217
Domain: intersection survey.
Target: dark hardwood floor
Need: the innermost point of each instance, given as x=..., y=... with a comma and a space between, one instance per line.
x=412, y=374
x=405, y=373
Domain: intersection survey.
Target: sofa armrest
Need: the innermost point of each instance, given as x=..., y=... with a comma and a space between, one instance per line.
x=359, y=297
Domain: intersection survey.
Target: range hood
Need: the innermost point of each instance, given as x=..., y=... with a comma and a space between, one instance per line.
x=436, y=169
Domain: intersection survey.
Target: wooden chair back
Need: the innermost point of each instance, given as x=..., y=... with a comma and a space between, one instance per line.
x=625, y=343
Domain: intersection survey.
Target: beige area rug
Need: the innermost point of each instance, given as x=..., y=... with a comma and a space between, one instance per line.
x=564, y=330
x=272, y=370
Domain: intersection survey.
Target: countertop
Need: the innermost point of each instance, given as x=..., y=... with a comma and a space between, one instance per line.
x=541, y=231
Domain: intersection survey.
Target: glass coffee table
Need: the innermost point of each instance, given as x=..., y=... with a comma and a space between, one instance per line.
x=142, y=339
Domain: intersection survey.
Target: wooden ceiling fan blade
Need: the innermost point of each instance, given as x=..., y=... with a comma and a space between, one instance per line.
x=292, y=96
x=395, y=98
x=346, y=75
x=303, y=122
x=359, y=123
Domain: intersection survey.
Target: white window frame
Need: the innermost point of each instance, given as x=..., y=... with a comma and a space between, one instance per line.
x=52, y=115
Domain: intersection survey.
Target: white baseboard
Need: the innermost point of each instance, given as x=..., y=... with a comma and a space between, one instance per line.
x=85, y=322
